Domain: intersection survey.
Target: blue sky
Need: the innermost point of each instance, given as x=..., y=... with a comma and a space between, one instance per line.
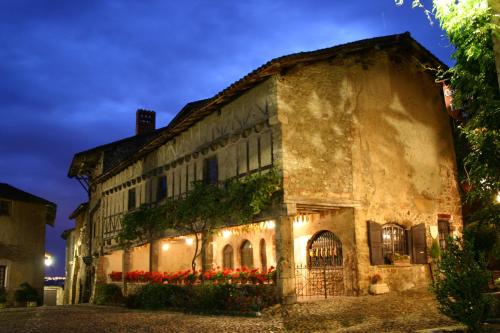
x=72, y=73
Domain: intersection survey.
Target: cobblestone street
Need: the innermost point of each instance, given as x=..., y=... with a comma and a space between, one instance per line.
x=404, y=312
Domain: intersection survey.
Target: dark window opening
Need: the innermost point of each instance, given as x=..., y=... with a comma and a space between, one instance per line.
x=161, y=188
x=5, y=207
x=131, y=199
x=210, y=171
x=227, y=257
x=3, y=275
x=246, y=252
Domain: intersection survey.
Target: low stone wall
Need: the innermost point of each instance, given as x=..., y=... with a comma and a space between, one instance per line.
x=401, y=278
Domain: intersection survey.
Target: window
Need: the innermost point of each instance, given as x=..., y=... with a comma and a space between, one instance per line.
x=3, y=275
x=263, y=254
x=388, y=240
x=5, y=207
x=246, y=254
x=227, y=257
x=210, y=171
x=161, y=192
x=131, y=199
x=444, y=233
x=394, y=240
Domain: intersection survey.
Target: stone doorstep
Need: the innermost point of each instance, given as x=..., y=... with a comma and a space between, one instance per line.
x=454, y=328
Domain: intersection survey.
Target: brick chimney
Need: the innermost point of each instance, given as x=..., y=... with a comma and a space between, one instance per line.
x=145, y=121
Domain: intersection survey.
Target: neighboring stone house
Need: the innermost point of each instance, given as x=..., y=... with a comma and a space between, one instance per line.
x=361, y=138
x=23, y=217
x=76, y=250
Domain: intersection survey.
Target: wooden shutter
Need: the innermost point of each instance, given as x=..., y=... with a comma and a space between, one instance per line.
x=375, y=243
x=419, y=251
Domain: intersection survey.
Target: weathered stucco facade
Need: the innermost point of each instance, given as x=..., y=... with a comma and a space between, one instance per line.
x=22, y=253
x=359, y=135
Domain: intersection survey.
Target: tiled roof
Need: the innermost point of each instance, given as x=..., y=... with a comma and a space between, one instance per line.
x=196, y=111
x=12, y=193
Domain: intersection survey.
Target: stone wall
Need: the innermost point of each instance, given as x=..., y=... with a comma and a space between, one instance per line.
x=370, y=132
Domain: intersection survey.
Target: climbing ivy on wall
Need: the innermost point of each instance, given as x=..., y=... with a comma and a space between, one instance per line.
x=204, y=208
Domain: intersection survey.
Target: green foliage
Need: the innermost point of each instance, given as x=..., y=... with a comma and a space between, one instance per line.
x=473, y=79
x=3, y=295
x=205, y=297
x=468, y=24
x=485, y=238
x=152, y=296
x=143, y=224
x=435, y=250
x=26, y=293
x=461, y=282
x=108, y=294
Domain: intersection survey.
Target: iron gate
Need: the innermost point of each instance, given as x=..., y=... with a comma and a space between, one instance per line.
x=326, y=281
x=324, y=273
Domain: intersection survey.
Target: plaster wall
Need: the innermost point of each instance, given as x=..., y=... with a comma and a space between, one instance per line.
x=23, y=252
x=112, y=262
x=139, y=258
x=178, y=256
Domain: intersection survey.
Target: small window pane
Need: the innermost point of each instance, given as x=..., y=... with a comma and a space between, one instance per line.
x=394, y=239
x=3, y=270
x=131, y=199
x=211, y=172
x=444, y=233
x=5, y=207
x=162, y=188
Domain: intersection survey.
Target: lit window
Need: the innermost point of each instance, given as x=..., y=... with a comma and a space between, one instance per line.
x=444, y=233
x=394, y=240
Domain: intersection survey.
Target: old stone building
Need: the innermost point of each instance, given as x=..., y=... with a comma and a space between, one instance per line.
x=23, y=217
x=363, y=144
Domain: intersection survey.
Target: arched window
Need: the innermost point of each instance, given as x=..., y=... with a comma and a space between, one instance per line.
x=246, y=252
x=394, y=240
x=324, y=249
x=227, y=257
x=263, y=255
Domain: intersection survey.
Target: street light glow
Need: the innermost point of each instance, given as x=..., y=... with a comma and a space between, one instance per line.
x=49, y=260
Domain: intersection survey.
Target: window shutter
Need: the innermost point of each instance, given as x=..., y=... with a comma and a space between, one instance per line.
x=375, y=243
x=419, y=254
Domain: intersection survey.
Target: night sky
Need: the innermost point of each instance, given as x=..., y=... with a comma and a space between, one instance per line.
x=73, y=73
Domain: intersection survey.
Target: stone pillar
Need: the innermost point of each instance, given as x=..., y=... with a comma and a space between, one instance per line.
x=125, y=268
x=155, y=252
x=285, y=259
x=207, y=253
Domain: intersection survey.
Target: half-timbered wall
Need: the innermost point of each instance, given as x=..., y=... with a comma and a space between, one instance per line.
x=239, y=135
